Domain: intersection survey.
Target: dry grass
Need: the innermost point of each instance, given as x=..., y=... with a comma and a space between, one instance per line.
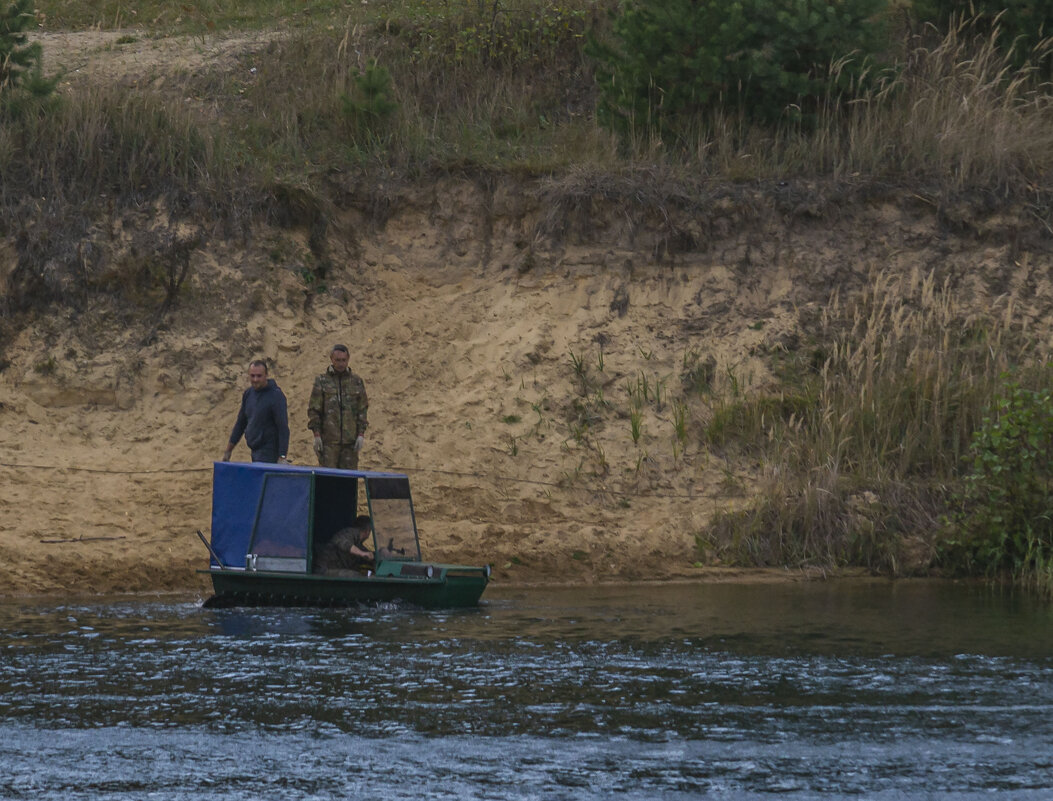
x=193, y=16
x=871, y=466
x=951, y=116
x=958, y=114
x=905, y=385
x=507, y=87
x=104, y=144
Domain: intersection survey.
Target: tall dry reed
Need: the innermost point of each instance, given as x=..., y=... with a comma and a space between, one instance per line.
x=103, y=141
x=851, y=478
x=958, y=114
x=949, y=116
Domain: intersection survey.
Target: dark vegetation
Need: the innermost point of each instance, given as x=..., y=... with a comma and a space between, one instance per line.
x=875, y=435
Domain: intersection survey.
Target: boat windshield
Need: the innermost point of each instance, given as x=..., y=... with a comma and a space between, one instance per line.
x=394, y=528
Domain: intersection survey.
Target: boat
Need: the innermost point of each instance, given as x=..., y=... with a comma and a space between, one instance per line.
x=270, y=521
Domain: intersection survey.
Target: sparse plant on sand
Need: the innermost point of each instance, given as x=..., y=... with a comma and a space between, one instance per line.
x=512, y=445
x=643, y=384
x=697, y=373
x=538, y=409
x=581, y=372
x=680, y=422
x=659, y=392
x=602, y=466
x=635, y=423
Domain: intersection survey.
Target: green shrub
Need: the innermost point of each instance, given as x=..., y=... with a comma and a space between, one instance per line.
x=670, y=61
x=369, y=105
x=1005, y=522
x=20, y=70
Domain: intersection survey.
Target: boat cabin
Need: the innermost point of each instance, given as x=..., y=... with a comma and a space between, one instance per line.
x=276, y=518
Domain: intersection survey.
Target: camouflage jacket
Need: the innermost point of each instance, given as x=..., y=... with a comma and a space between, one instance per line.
x=337, y=409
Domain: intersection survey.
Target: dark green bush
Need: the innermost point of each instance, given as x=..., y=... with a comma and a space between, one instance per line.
x=369, y=105
x=1006, y=518
x=667, y=62
x=20, y=70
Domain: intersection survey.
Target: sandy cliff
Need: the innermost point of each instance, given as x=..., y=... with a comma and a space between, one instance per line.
x=500, y=329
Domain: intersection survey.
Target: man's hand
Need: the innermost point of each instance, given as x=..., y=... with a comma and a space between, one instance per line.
x=359, y=442
x=226, y=455
x=318, y=445
x=282, y=460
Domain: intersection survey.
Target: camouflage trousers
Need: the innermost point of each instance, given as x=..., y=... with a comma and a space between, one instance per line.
x=343, y=456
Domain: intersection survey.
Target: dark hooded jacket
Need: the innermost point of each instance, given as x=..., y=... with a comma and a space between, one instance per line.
x=264, y=420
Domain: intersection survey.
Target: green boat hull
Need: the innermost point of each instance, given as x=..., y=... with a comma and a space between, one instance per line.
x=450, y=586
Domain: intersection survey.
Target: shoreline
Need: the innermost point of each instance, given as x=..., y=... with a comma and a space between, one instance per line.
x=708, y=575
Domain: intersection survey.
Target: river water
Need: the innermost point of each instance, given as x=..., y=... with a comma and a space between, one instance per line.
x=876, y=690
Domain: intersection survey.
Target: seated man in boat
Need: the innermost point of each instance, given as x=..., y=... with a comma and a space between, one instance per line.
x=346, y=550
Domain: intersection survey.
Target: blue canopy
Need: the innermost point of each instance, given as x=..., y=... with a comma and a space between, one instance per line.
x=274, y=511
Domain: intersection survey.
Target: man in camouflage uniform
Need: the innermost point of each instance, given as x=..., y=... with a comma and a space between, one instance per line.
x=336, y=413
x=346, y=551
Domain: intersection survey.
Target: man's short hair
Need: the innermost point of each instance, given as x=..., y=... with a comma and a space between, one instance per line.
x=259, y=363
x=363, y=525
x=341, y=348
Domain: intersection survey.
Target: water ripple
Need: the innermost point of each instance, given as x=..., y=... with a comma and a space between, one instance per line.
x=526, y=698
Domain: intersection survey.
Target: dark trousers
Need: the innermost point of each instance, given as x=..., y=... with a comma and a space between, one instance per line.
x=268, y=453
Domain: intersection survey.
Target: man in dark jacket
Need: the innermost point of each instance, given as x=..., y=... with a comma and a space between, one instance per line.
x=263, y=418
